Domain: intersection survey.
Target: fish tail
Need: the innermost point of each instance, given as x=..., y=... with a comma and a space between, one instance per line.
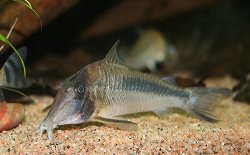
x=202, y=100
x=12, y=71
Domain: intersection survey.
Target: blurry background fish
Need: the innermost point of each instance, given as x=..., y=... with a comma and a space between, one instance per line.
x=150, y=48
x=12, y=77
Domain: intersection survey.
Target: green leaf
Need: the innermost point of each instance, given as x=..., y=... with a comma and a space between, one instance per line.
x=28, y=5
x=6, y=41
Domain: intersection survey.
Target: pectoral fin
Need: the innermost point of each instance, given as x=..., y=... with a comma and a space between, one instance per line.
x=15, y=91
x=164, y=113
x=121, y=124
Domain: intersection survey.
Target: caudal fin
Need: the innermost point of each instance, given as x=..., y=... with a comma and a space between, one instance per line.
x=13, y=71
x=203, y=99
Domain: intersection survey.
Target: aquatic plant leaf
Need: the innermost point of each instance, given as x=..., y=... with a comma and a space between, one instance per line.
x=28, y=5
x=10, y=31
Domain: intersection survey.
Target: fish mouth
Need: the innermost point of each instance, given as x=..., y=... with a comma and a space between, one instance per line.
x=69, y=113
x=47, y=126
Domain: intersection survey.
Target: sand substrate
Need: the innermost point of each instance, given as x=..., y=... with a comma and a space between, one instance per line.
x=178, y=134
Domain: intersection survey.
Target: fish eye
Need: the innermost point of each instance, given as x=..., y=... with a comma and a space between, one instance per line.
x=80, y=89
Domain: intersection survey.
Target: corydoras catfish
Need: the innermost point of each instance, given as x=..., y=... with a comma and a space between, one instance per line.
x=11, y=74
x=106, y=89
x=150, y=48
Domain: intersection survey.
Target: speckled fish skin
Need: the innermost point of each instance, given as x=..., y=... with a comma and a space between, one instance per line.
x=106, y=89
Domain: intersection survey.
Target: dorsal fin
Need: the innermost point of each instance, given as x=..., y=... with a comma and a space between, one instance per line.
x=13, y=70
x=112, y=56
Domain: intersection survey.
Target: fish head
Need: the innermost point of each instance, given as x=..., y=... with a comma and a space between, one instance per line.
x=72, y=104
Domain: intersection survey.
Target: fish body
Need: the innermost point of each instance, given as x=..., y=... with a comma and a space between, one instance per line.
x=106, y=89
x=149, y=49
x=122, y=91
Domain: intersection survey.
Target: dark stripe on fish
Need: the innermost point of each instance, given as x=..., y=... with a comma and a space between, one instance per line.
x=12, y=77
x=7, y=72
x=141, y=85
